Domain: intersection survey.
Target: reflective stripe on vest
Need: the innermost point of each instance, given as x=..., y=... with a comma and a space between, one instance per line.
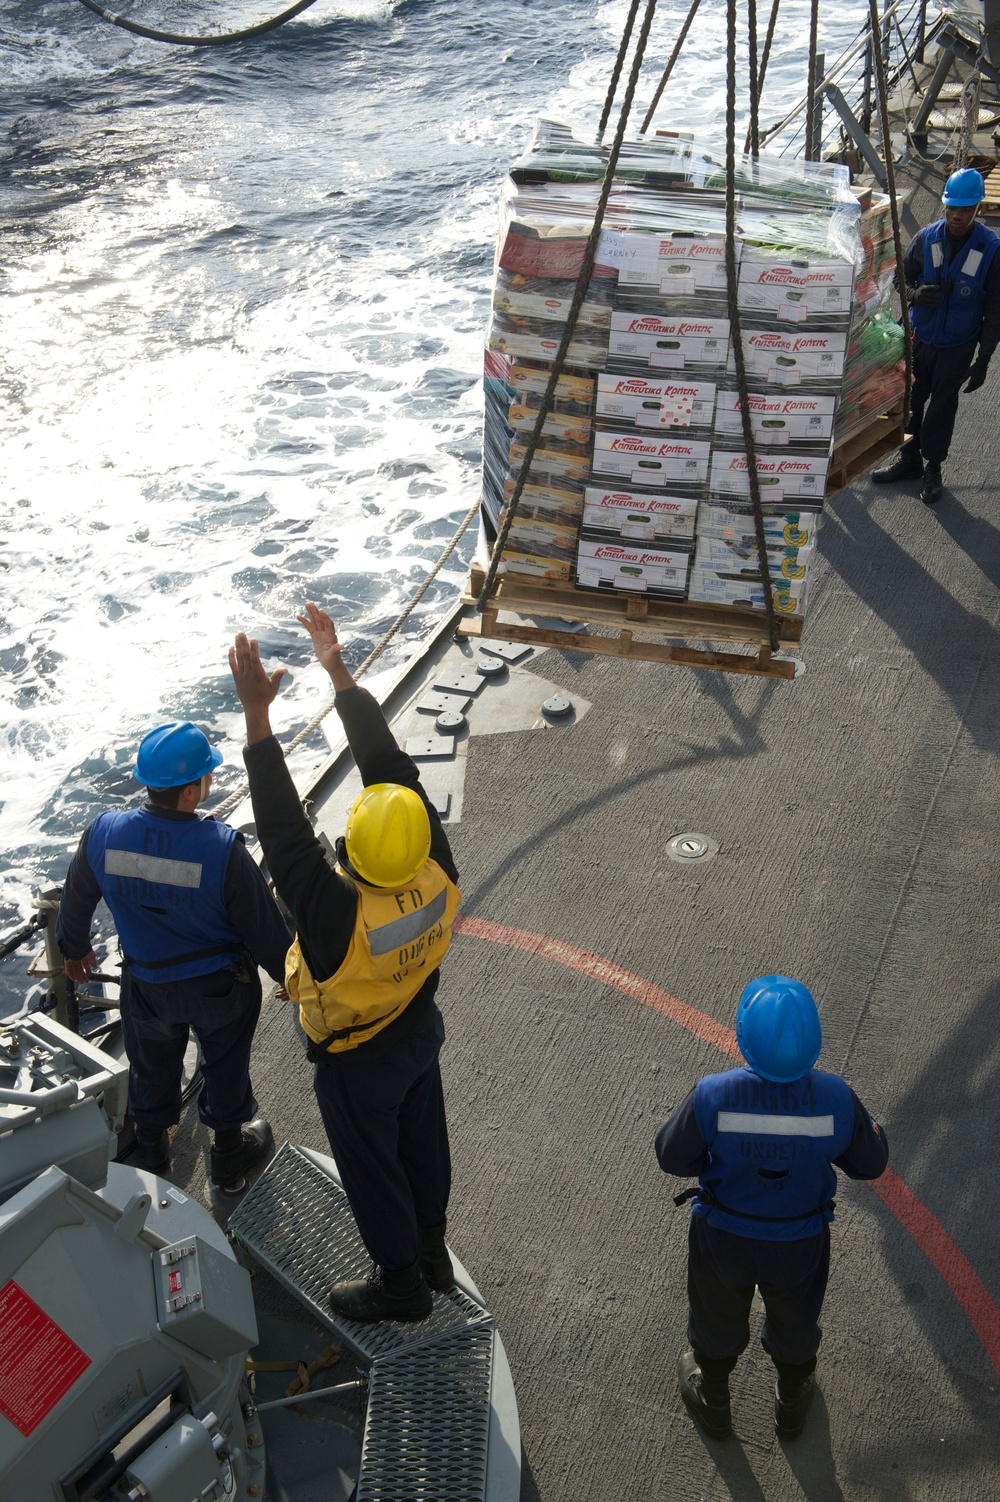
x=400, y=938
x=958, y=317
x=771, y=1148
x=164, y=880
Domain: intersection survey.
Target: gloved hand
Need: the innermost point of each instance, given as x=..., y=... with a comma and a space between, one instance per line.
x=926, y=296
x=977, y=376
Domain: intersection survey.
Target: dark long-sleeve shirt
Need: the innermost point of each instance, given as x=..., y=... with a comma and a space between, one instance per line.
x=324, y=902
x=913, y=271
x=252, y=910
x=681, y=1150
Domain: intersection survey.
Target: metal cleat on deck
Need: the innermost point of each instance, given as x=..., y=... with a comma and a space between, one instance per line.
x=441, y=1419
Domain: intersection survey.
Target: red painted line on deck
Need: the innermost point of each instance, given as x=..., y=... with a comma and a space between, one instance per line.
x=926, y=1230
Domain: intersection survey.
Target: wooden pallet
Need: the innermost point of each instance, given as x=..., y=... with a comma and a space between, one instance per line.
x=991, y=201
x=632, y=618
x=862, y=449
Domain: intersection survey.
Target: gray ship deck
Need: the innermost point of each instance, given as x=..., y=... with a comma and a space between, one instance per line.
x=855, y=815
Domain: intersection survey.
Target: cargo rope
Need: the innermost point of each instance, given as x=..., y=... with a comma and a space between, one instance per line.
x=881, y=93
x=578, y=296
x=233, y=799
x=753, y=132
x=762, y=70
x=682, y=34
x=811, y=83
x=735, y=331
x=616, y=71
x=180, y=40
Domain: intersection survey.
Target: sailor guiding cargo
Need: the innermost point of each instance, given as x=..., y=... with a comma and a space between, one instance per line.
x=371, y=935
x=764, y=1140
x=194, y=917
x=952, y=276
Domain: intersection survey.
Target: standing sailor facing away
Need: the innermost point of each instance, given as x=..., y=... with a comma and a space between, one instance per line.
x=763, y=1141
x=952, y=276
x=195, y=917
x=364, y=971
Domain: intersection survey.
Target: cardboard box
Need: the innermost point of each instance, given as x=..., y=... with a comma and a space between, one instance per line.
x=674, y=264
x=630, y=402
x=782, y=477
x=534, y=567
x=795, y=528
x=647, y=341
x=590, y=354
x=779, y=357
x=539, y=503
x=557, y=424
x=610, y=566
x=712, y=587
x=738, y=554
x=796, y=291
x=529, y=535
x=647, y=462
x=548, y=459
x=637, y=518
x=778, y=419
x=539, y=304
x=535, y=379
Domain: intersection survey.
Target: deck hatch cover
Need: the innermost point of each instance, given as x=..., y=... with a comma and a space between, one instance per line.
x=297, y=1223
x=427, y=1433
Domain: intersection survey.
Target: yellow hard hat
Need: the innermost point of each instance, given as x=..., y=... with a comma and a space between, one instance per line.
x=388, y=835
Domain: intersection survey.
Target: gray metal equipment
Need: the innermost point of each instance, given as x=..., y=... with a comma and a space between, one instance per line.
x=125, y=1319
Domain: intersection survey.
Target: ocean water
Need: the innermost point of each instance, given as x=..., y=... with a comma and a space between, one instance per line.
x=243, y=293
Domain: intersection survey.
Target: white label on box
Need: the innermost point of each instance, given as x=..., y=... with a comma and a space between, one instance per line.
x=792, y=312
x=784, y=376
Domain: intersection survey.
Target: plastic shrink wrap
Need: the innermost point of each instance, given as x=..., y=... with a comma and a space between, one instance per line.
x=639, y=479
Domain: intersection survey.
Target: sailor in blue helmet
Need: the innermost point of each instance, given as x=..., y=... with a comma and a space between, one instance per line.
x=952, y=277
x=764, y=1141
x=194, y=917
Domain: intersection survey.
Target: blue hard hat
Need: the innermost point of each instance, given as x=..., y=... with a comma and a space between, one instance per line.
x=173, y=755
x=964, y=189
x=777, y=1028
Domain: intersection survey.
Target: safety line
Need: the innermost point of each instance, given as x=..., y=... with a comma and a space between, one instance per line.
x=913, y=1215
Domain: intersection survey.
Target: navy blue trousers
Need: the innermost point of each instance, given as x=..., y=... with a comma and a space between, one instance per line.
x=384, y=1116
x=938, y=375
x=156, y=1019
x=722, y=1273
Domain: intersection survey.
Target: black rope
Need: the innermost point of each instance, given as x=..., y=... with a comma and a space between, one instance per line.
x=616, y=71
x=762, y=70
x=811, y=84
x=195, y=41
x=736, y=333
x=23, y=934
x=753, y=133
x=890, y=186
x=670, y=65
x=583, y=279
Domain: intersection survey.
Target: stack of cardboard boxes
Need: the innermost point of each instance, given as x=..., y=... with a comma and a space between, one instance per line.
x=640, y=480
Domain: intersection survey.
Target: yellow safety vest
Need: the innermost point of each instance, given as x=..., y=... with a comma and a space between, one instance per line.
x=400, y=936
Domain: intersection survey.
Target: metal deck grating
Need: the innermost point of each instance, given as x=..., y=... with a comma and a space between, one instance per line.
x=296, y=1221
x=427, y=1433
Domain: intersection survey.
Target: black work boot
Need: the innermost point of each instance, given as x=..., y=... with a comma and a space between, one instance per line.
x=152, y=1151
x=793, y=1392
x=705, y=1398
x=385, y=1294
x=932, y=487
x=236, y=1151
x=435, y=1263
x=907, y=465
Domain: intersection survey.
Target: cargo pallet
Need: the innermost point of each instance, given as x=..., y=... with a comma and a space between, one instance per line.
x=632, y=616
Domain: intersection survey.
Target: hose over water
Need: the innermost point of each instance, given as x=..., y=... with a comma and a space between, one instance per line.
x=179, y=40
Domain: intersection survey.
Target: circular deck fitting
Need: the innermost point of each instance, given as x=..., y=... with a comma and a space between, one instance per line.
x=558, y=707
x=490, y=667
x=692, y=847
x=449, y=724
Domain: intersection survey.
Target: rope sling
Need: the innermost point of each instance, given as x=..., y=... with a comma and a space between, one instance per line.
x=178, y=39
